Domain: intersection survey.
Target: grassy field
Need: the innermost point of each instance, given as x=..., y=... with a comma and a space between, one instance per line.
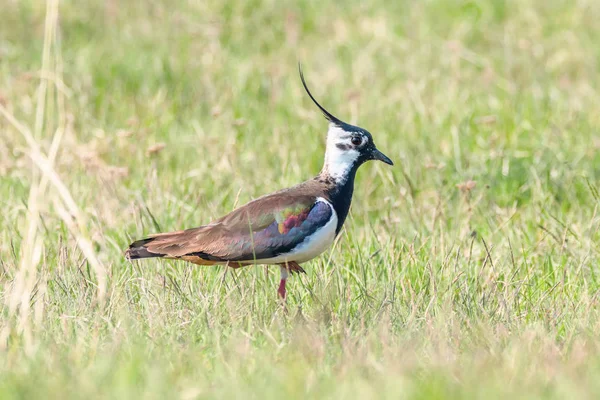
x=470, y=269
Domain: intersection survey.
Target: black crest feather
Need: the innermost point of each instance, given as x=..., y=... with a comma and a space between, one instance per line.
x=329, y=116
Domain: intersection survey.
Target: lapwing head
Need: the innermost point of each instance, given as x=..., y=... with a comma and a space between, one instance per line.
x=348, y=146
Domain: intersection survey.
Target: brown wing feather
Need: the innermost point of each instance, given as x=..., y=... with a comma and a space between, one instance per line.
x=216, y=242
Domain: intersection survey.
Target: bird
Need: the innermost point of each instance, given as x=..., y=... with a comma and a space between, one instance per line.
x=285, y=228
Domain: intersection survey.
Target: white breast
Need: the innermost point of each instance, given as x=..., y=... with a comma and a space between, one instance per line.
x=312, y=245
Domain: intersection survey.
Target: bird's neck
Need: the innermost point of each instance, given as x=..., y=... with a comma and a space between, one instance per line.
x=339, y=170
x=339, y=191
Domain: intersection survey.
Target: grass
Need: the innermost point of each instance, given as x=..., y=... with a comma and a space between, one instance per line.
x=468, y=270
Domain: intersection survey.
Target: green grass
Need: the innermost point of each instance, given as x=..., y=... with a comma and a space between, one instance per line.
x=432, y=291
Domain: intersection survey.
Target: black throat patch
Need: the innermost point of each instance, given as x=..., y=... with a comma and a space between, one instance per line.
x=340, y=194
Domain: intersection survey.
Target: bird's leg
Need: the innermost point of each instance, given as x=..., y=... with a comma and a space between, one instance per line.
x=284, y=275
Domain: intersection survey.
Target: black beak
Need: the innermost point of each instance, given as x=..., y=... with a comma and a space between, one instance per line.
x=377, y=155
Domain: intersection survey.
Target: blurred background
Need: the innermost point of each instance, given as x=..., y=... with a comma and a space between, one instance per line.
x=469, y=264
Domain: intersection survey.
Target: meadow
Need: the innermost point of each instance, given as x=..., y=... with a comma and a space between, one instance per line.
x=467, y=270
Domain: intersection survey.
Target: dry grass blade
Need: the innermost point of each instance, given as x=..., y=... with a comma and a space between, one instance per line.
x=32, y=247
x=46, y=167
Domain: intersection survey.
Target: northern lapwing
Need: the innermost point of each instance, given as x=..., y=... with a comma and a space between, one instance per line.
x=285, y=228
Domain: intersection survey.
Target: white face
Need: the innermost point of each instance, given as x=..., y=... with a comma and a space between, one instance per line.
x=343, y=150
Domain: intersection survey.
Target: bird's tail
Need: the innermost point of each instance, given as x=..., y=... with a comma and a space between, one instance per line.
x=139, y=249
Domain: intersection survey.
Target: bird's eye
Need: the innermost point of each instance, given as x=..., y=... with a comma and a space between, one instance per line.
x=356, y=140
